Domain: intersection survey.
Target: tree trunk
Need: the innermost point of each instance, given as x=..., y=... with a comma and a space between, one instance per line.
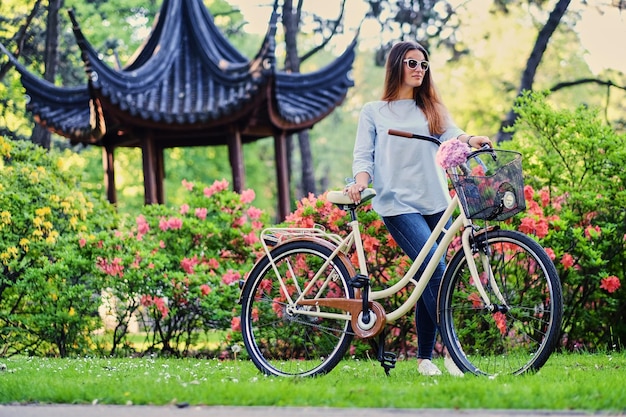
x=308, y=172
x=40, y=135
x=533, y=62
x=291, y=23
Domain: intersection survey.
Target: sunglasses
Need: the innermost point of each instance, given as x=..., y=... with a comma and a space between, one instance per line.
x=414, y=63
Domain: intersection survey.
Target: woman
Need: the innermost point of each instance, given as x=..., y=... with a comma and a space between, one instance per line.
x=411, y=190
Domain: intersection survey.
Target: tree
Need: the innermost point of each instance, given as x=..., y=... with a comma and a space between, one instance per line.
x=41, y=135
x=291, y=19
x=436, y=22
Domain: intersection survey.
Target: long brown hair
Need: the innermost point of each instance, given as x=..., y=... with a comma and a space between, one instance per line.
x=426, y=96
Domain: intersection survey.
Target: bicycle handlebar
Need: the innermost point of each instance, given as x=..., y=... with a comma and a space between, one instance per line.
x=483, y=149
x=410, y=135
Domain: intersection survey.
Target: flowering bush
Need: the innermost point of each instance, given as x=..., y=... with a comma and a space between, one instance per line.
x=576, y=194
x=48, y=291
x=177, y=269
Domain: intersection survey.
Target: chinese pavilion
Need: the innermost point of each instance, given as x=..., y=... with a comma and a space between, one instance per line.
x=188, y=86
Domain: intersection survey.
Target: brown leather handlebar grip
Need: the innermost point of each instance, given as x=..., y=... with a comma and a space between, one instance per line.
x=400, y=133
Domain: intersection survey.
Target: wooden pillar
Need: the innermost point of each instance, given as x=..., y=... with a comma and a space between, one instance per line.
x=160, y=174
x=148, y=153
x=108, y=163
x=235, y=153
x=282, y=175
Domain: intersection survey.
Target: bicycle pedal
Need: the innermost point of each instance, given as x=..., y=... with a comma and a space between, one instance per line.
x=359, y=281
x=391, y=358
x=388, y=361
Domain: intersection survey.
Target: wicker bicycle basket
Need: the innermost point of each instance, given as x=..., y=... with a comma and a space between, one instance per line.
x=490, y=185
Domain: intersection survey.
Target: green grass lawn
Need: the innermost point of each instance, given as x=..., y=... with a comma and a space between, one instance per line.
x=590, y=382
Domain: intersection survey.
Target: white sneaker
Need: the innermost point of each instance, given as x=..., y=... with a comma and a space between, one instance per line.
x=427, y=368
x=451, y=367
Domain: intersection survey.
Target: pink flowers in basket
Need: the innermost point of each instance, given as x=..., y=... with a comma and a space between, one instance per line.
x=452, y=153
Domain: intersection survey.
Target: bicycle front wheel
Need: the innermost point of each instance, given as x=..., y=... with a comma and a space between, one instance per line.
x=519, y=330
x=285, y=339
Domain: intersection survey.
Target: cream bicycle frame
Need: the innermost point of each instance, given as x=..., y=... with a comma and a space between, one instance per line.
x=353, y=239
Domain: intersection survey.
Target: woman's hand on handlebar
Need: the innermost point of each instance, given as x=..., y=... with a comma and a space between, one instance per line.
x=479, y=142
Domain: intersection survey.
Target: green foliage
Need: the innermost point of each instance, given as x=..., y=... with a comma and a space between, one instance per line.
x=48, y=293
x=176, y=269
x=576, y=196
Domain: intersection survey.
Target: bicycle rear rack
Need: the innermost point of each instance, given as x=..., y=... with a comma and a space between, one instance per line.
x=274, y=236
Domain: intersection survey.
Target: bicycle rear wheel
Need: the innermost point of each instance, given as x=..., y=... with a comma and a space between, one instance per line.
x=280, y=339
x=520, y=332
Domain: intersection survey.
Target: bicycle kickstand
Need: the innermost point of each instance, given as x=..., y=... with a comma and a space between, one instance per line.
x=387, y=359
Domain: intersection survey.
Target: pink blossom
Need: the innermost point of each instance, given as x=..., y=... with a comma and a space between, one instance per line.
x=231, y=277
x=113, y=268
x=567, y=261
x=541, y=228
x=184, y=209
x=82, y=242
x=550, y=253
x=527, y=225
x=201, y=213
x=500, y=320
x=188, y=264
x=544, y=195
x=240, y=221
x=175, y=223
x=235, y=324
x=452, y=153
x=529, y=192
x=213, y=263
x=254, y=213
x=216, y=187
x=247, y=196
x=205, y=289
x=146, y=300
x=142, y=225
x=163, y=224
x=251, y=238
x=592, y=232
x=558, y=202
x=161, y=306
x=610, y=283
x=188, y=185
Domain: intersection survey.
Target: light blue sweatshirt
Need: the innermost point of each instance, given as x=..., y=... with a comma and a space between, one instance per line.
x=403, y=171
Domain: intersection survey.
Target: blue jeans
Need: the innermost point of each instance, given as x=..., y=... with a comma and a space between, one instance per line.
x=411, y=231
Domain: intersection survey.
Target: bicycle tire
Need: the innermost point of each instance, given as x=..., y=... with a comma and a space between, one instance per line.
x=520, y=336
x=281, y=342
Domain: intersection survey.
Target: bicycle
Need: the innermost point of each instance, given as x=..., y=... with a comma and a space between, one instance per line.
x=500, y=300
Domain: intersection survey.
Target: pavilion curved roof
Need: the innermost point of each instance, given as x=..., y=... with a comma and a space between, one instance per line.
x=187, y=77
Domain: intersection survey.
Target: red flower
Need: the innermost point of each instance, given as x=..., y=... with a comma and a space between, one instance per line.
x=205, y=289
x=610, y=283
x=235, y=324
x=567, y=261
